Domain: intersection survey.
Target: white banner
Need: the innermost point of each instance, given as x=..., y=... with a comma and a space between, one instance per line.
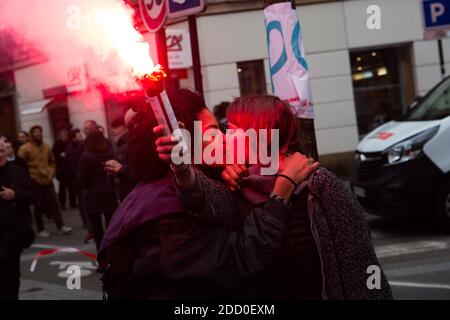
x=288, y=67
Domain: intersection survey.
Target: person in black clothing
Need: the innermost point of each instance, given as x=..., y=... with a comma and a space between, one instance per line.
x=66, y=185
x=74, y=151
x=118, y=167
x=22, y=138
x=99, y=194
x=220, y=112
x=16, y=195
x=13, y=158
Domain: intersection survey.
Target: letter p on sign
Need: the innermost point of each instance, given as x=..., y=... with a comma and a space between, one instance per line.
x=437, y=10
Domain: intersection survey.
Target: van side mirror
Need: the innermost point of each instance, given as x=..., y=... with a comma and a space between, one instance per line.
x=416, y=100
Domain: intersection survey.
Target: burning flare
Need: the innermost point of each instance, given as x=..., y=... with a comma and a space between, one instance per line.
x=117, y=26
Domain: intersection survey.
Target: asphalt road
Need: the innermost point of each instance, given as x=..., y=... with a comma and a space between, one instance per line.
x=414, y=255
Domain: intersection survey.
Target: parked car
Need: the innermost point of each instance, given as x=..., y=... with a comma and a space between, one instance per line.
x=403, y=167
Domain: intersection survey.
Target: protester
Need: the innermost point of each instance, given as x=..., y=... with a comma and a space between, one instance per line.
x=90, y=126
x=74, y=151
x=119, y=167
x=13, y=159
x=22, y=138
x=99, y=194
x=16, y=194
x=328, y=246
x=66, y=184
x=41, y=164
x=152, y=241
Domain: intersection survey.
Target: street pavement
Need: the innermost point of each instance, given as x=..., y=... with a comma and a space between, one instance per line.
x=414, y=255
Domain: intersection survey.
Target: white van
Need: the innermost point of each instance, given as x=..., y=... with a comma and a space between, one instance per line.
x=403, y=167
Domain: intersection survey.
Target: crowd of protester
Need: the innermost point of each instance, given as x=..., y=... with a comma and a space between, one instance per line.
x=167, y=231
x=91, y=175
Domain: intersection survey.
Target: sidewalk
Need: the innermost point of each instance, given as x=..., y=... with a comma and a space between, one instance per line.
x=49, y=280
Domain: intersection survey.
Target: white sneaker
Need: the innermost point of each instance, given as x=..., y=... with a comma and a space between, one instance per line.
x=65, y=230
x=43, y=234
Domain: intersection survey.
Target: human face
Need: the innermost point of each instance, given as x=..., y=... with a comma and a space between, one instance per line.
x=22, y=137
x=9, y=150
x=118, y=131
x=78, y=137
x=37, y=134
x=3, y=157
x=64, y=135
x=89, y=128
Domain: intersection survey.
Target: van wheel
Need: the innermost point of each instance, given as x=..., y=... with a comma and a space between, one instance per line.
x=442, y=206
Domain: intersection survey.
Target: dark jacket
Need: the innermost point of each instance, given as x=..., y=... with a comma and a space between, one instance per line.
x=342, y=243
x=96, y=184
x=125, y=180
x=19, y=162
x=74, y=151
x=174, y=255
x=62, y=163
x=15, y=215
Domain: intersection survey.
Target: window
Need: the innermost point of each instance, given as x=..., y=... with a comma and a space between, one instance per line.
x=435, y=107
x=382, y=85
x=252, y=79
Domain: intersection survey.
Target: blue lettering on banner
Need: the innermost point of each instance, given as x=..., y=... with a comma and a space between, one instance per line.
x=296, y=47
x=276, y=26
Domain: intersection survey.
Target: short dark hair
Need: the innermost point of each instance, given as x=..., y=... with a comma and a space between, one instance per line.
x=143, y=159
x=187, y=106
x=25, y=133
x=119, y=122
x=73, y=133
x=96, y=142
x=35, y=127
x=220, y=110
x=93, y=122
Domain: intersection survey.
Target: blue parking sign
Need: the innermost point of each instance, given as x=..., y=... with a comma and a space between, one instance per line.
x=436, y=14
x=182, y=8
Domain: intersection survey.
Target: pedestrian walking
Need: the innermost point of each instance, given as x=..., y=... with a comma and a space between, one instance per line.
x=41, y=164
x=99, y=193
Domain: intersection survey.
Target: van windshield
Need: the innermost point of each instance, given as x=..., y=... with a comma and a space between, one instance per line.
x=435, y=105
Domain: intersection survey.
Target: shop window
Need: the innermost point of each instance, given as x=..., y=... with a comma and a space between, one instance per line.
x=252, y=79
x=383, y=85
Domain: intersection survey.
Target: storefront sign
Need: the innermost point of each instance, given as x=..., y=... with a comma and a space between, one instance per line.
x=178, y=49
x=288, y=67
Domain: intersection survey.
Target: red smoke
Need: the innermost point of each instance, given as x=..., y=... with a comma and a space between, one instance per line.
x=100, y=34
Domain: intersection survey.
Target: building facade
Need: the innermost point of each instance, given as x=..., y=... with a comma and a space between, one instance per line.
x=360, y=77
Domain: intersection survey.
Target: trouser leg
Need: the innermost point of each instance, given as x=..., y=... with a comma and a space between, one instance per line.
x=53, y=206
x=97, y=226
x=39, y=207
x=62, y=194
